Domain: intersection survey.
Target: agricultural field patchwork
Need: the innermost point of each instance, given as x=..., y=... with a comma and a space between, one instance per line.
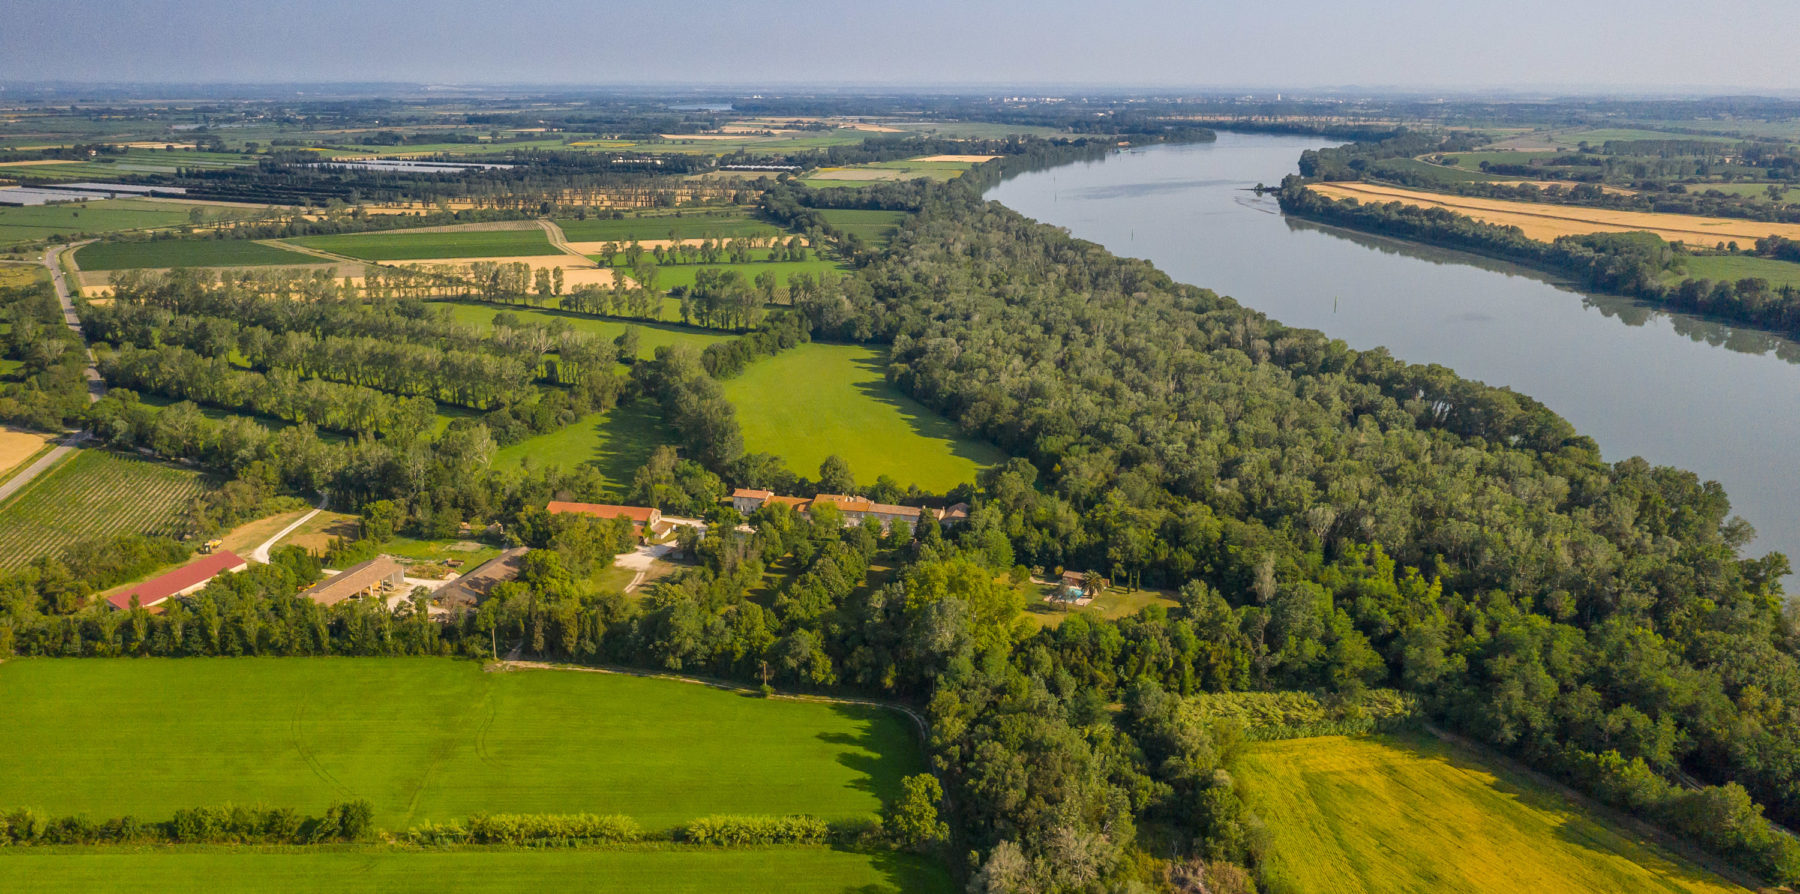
x=1545, y=221
x=404, y=246
x=104, y=216
x=816, y=400
x=1411, y=814
x=186, y=253
x=646, y=869
x=432, y=740
x=691, y=225
x=90, y=495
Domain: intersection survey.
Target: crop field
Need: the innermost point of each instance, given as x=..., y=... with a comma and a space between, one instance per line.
x=816, y=400
x=905, y=169
x=93, y=494
x=431, y=740
x=1736, y=267
x=1545, y=221
x=650, y=335
x=101, y=216
x=873, y=226
x=132, y=162
x=404, y=246
x=186, y=253
x=1412, y=814
x=18, y=445
x=644, y=869
x=617, y=442
x=688, y=226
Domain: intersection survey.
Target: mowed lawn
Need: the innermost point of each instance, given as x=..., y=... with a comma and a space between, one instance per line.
x=816, y=400
x=617, y=442
x=186, y=253
x=1411, y=814
x=646, y=870
x=430, y=740
x=94, y=494
x=404, y=246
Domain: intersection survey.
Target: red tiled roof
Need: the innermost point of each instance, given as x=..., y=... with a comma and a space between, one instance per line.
x=752, y=493
x=157, y=589
x=798, y=504
x=639, y=515
x=847, y=504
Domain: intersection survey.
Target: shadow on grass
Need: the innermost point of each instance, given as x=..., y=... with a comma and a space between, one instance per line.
x=883, y=750
x=1589, y=827
x=924, y=421
x=905, y=873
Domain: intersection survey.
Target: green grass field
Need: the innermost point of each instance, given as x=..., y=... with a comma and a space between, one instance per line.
x=404, y=246
x=691, y=225
x=1736, y=267
x=186, y=253
x=684, y=274
x=815, y=400
x=618, y=443
x=93, y=494
x=101, y=216
x=1411, y=814
x=647, y=870
x=650, y=335
x=873, y=226
x=430, y=740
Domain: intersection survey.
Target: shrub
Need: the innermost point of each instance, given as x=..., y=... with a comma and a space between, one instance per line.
x=741, y=831
x=529, y=828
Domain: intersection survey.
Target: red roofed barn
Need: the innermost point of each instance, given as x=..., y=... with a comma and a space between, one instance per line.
x=180, y=582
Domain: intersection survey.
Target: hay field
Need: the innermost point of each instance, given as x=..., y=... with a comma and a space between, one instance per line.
x=18, y=445
x=1394, y=814
x=1546, y=222
x=966, y=159
x=577, y=271
x=429, y=739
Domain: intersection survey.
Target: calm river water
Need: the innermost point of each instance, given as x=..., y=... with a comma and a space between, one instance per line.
x=1677, y=390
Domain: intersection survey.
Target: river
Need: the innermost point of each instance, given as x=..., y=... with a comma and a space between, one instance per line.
x=1677, y=390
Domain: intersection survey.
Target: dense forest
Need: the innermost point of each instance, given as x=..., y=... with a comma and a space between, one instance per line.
x=1335, y=522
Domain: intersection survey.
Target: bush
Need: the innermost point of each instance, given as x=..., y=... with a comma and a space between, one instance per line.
x=349, y=821
x=742, y=831
x=543, y=828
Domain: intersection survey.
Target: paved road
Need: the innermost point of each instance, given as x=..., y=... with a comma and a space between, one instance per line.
x=43, y=464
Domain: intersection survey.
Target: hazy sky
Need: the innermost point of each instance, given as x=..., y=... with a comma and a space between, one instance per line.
x=1273, y=43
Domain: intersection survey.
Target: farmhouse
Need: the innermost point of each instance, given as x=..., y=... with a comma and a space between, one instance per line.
x=643, y=519
x=472, y=588
x=854, y=509
x=1079, y=587
x=375, y=577
x=187, y=579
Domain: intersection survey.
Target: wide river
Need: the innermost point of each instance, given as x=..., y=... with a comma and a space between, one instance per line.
x=1677, y=390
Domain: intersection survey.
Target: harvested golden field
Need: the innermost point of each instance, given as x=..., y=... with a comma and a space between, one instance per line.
x=577, y=271
x=969, y=159
x=1408, y=814
x=35, y=161
x=17, y=445
x=1546, y=222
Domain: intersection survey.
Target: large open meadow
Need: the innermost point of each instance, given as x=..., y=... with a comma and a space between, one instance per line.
x=186, y=253
x=816, y=400
x=1736, y=267
x=430, y=740
x=646, y=870
x=617, y=443
x=1545, y=221
x=404, y=246
x=691, y=225
x=873, y=226
x=1398, y=814
x=94, y=494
